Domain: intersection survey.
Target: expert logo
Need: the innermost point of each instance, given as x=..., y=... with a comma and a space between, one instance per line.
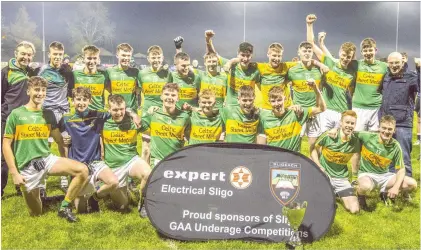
x=241, y=177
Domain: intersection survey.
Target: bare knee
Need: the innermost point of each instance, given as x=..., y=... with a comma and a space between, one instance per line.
x=364, y=185
x=113, y=183
x=81, y=171
x=354, y=208
x=409, y=184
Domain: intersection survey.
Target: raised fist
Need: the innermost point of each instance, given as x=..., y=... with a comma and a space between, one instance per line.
x=321, y=37
x=209, y=34
x=311, y=18
x=178, y=41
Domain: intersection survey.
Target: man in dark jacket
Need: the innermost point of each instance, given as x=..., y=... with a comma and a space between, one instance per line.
x=14, y=79
x=399, y=88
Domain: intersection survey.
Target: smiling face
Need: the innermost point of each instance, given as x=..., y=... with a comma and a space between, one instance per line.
x=117, y=111
x=211, y=63
x=305, y=53
x=277, y=102
x=369, y=53
x=386, y=130
x=91, y=60
x=37, y=94
x=183, y=67
x=245, y=58
x=155, y=59
x=345, y=58
x=395, y=62
x=124, y=57
x=24, y=56
x=81, y=103
x=206, y=103
x=169, y=98
x=56, y=57
x=275, y=57
x=246, y=103
x=348, y=124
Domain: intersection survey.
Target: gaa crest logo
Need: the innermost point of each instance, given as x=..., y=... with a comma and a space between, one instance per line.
x=241, y=177
x=285, y=182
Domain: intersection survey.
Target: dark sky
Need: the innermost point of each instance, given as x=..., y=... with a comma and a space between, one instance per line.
x=146, y=23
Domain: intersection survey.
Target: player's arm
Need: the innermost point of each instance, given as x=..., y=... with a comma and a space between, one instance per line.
x=58, y=138
x=4, y=84
x=135, y=118
x=310, y=19
x=321, y=38
x=400, y=175
x=209, y=45
x=178, y=41
x=10, y=160
x=107, y=82
x=320, y=102
x=227, y=66
x=314, y=154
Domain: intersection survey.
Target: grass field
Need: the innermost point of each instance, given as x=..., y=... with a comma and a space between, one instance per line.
x=384, y=228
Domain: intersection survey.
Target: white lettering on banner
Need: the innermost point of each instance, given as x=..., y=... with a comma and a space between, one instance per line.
x=191, y=176
x=213, y=191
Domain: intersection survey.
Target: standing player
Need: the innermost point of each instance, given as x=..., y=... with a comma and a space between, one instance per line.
x=60, y=81
x=378, y=151
x=90, y=77
x=168, y=125
x=280, y=127
x=14, y=81
x=335, y=153
x=206, y=123
x=30, y=161
x=120, y=138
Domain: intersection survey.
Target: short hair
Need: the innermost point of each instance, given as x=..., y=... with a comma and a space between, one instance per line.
x=91, y=49
x=181, y=56
x=305, y=44
x=37, y=81
x=172, y=86
x=348, y=47
x=25, y=44
x=404, y=54
x=276, y=47
x=207, y=93
x=209, y=54
x=83, y=91
x=124, y=47
x=56, y=45
x=388, y=118
x=295, y=59
x=368, y=42
x=246, y=90
x=349, y=113
x=155, y=49
x=116, y=99
x=275, y=92
x=245, y=47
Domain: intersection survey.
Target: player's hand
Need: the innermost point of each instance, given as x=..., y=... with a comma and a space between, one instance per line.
x=298, y=110
x=67, y=139
x=321, y=37
x=311, y=83
x=209, y=34
x=178, y=41
x=311, y=18
x=137, y=121
x=417, y=62
x=333, y=133
x=393, y=192
x=18, y=179
x=187, y=107
x=324, y=69
x=152, y=109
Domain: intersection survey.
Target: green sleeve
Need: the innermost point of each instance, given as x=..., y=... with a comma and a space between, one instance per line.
x=187, y=129
x=260, y=127
x=223, y=112
x=321, y=141
x=139, y=79
x=10, y=128
x=304, y=117
x=146, y=121
x=170, y=78
x=107, y=81
x=222, y=61
x=363, y=135
x=398, y=157
x=50, y=119
x=328, y=61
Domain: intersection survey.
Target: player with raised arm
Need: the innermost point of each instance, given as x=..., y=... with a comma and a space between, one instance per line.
x=26, y=150
x=167, y=124
x=332, y=156
x=120, y=139
x=280, y=127
x=206, y=122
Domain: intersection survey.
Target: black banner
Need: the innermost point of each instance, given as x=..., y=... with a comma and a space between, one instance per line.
x=238, y=191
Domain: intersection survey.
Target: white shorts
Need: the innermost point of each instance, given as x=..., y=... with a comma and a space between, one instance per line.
x=122, y=172
x=96, y=168
x=34, y=178
x=380, y=180
x=367, y=119
x=342, y=187
x=329, y=119
x=312, y=127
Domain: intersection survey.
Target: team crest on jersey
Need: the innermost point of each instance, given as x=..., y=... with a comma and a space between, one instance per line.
x=241, y=177
x=284, y=181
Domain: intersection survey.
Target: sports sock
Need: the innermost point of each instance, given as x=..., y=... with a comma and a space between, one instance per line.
x=65, y=203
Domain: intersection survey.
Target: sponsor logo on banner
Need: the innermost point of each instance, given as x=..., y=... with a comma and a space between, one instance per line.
x=284, y=181
x=241, y=177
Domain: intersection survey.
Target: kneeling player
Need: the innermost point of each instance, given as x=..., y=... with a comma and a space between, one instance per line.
x=335, y=154
x=120, y=138
x=84, y=126
x=30, y=160
x=378, y=151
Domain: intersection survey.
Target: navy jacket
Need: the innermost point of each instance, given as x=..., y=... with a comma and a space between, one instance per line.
x=399, y=96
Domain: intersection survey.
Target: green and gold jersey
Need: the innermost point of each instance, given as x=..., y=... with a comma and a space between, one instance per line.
x=29, y=130
x=270, y=77
x=338, y=81
x=189, y=88
x=377, y=156
x=151, y=82
x=238, y=78
x=336, y=153
x=120, y=140
x=217, y=83
x=205, y=129
x=284, y=131
x=239, y=127
x=369, y=77
x=124, y=82
x=95, y=82
x=167, y=131
x=303, y=94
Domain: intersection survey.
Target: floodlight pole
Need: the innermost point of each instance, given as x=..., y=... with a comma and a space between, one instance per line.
x=397, y=27
x=244, y=23
x=43, y=35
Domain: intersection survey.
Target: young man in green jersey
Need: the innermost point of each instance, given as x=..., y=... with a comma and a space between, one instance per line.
x=90, y=77
x=280, y=127
x=378, y=151
x=332, y=156
x=241, y=121
x=123, y=79
x=168, y=125
x=206, y=122
x=151, y=81
x=119, y=135
x=30, y=160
